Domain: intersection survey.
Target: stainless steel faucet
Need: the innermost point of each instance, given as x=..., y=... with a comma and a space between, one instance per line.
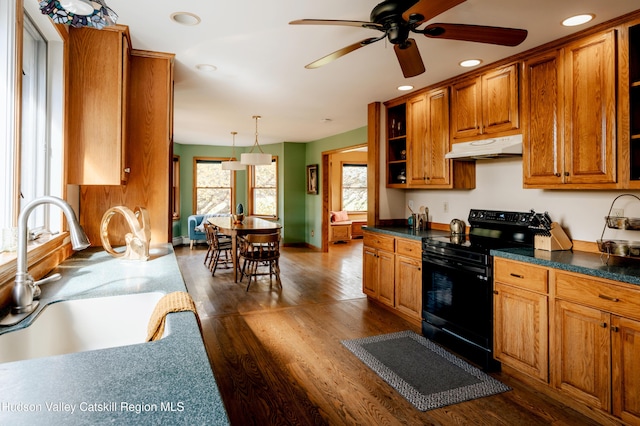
x=24, y=287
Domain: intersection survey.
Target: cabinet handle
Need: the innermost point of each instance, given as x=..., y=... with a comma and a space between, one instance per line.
x=605, y=297
x=557, y=174
x=495, y=292
x=127, y=170
x=516, y=275
x=603, y=324
x=566, y=173
x=615, y=328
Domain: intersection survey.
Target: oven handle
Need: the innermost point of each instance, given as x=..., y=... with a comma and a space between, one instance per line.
x=454, y=264
x=464, y=339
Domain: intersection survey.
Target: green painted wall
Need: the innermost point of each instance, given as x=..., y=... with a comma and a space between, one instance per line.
x=299, y=213
x=314, y=152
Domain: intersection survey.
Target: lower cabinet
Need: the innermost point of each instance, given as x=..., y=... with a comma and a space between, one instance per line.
x=392, y=273
x=593, y=328
x=521, y=317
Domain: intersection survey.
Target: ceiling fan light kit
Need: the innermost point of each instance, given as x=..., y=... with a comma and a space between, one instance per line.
x=396, y=19
x=255, y=158
x=79, y=13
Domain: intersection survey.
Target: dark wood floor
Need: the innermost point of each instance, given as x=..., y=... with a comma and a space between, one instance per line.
x=277, y=357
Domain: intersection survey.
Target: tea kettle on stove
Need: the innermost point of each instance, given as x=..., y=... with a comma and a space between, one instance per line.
x=457, y=227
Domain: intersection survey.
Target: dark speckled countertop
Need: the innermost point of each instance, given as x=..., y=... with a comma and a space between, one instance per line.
x=617, y=268
x=622, y=269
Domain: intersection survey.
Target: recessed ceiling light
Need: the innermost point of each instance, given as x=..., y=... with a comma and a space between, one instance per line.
x=206, y=67
x=470, y=63
x=185, y=18
x=405, y=88
x=578, y=20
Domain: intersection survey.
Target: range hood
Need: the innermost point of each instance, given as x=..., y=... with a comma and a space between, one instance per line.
x=507, y=146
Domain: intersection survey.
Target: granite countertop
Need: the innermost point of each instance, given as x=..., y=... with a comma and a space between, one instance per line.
x=406, y=232
x=168, y=381
x=617, y=268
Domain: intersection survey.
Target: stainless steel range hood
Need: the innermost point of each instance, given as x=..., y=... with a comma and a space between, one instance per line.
x=507, y=146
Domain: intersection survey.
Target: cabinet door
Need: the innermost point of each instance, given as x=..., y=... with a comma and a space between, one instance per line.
x=590, y=113
x=521, y=330
x=500, y=108
x=409, y=286
x=626, y=369
x=543, y=105
x=96, y=111
x=386, y=277
x=370, y=272
x=465, y=109
x=417, y=154
x=438, y=142
x=582, y=353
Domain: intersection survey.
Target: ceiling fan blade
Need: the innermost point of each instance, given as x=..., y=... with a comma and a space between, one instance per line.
x=476, y=33
x=409, y=58
x=339, y=53
x=363, y=24
x=428, y=9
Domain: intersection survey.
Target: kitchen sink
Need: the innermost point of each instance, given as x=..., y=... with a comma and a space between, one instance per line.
x=82, y=325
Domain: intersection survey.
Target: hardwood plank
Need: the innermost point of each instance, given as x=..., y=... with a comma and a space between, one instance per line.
x=277, y=357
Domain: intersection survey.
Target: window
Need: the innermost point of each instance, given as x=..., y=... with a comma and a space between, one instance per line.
x=354, y=187
x=213, y=189
x=31, y=93
x=34, y=176
x=263, y=190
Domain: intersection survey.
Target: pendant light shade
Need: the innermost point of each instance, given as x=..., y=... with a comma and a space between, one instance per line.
x=255, y=158
x=79, y=13
x=232, y=163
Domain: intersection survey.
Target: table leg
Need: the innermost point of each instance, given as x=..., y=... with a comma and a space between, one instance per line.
x=234, y=254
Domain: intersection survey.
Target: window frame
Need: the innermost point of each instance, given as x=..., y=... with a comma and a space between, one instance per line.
x=251, y=187
x=195, y=187
x=355, y=164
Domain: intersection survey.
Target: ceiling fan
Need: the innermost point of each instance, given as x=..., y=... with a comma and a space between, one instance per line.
x=396, y=19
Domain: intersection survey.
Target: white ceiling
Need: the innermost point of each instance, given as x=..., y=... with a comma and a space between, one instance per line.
x=260, y=60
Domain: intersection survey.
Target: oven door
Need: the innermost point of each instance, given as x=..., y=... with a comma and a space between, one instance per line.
x=458, y=299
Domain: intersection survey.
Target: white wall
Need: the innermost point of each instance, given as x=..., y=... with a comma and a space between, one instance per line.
x=499, y=187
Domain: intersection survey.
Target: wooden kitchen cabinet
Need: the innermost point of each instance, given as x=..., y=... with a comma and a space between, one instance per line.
x=570, y=101
x=97, y=106
x=485, y=105
x=521, y=317
x=378, y=267
x=392, y=273
x=408, y=277
x=422, y=149
x=150, y=113
x=596, y=325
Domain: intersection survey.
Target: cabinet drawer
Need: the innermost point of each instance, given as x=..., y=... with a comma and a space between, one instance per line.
x=520, y=274
x=410, y=248
x=600, y=294
x=379, y=241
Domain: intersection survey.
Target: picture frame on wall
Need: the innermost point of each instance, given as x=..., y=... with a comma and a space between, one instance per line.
x=312, y=179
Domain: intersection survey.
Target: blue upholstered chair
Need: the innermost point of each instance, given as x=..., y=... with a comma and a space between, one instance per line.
x=196, y=229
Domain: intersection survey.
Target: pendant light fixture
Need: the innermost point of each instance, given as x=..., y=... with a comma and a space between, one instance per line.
x=255, y=158
x=232, y=163
x=79, y=13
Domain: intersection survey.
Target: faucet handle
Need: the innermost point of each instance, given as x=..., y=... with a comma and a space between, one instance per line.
x=36, y=284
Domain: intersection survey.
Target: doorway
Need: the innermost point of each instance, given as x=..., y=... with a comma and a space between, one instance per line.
x=333, y=165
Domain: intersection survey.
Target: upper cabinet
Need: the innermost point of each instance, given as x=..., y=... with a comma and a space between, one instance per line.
x=633, y=50
x=485, y=105
x=97, y=102
x=415, y=159
x=570, y=104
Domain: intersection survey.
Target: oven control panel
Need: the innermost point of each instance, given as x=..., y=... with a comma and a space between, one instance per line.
x=499, y=216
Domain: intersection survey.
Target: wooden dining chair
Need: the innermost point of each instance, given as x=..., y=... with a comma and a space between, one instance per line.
x=219, y=250
x=260, y=250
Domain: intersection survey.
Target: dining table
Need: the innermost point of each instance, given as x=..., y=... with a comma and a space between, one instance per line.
x=249, y=225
